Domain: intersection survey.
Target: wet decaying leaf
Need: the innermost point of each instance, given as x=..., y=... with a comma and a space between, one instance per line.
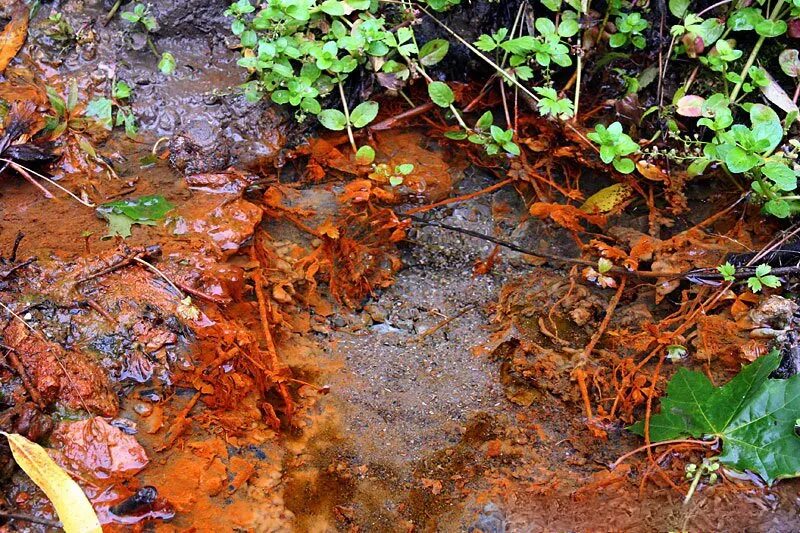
x=71, y=504
x=13, y=35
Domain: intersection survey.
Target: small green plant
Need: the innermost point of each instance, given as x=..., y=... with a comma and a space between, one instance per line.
x=493, y=138
x=615, y=146
x=707, y=468
x=167, y=63
x=69, y=113
x=629, y=30
x=140, y=16
x=676, y=352
x=115, y=111
x=60, y=30
x=763, y=278
x=145, y=22
x=728, y=271
x=301, y=51
x=395, y=177
x=551, y=105
x=757, y=150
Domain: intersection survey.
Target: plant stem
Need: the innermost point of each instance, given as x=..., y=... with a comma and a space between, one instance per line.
x=579, y=68
x=163, y=276
x=751, y=59
x=113, y=12
x=694, y=484
x=152, y=46
x=347, y=117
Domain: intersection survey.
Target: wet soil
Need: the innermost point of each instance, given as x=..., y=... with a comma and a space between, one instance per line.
x=447, y=403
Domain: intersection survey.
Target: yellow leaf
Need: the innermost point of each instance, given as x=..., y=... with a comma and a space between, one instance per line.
x=608, y=199
x=73, y=508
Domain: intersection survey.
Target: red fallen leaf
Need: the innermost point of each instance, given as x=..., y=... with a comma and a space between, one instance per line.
x=13, y=35
x=433, y=484
x=690, y=105
x=694, y=45
x=359, y=191
x=567, y=216
x=94, y=448
x=328, y=229
x=794, y=28
x=609, y=252
x=493, y=448
x=642, y=250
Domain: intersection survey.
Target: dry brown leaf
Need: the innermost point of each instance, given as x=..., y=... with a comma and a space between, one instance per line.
x=13, y=35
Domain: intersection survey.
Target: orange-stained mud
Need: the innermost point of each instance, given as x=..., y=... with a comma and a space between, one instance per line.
x=475, y=423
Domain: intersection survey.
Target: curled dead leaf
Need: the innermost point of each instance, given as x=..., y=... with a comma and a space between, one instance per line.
x=13, y=35
x=651, y=171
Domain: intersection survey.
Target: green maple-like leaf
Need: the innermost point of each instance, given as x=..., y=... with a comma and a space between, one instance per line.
x=752, y=415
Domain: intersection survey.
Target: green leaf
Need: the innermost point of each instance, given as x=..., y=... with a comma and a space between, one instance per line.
x=520, y=45
x=100, y=110
x=433, y=51
x=405, y=169
x=766, y=125
x=130, y=17
x=778, y=208
x=153, y=207
x=568, y=27
x=333, y=119
x=167, y=63
x=365, y=155
x=441, y=94
x=56, y=102
x=762, y=270
x=456, y=135
x=678, y=7
x=617, y=40
x=744, y=19
x=782, y=176
x=121, y=90
x=754, y=284
x=728, y=271
x=737, y=160
x=333, y=8
x=124, y=213
x=485, y=121
x=771, y=28
x=753, y=416
x=624, y=165
x=364, y=113
x=697, y=167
